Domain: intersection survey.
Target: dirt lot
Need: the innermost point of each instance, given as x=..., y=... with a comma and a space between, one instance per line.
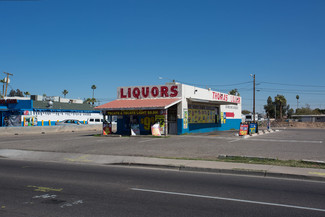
x=295, y=124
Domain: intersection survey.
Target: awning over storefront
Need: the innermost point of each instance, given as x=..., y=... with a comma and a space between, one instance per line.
x=129, y=104
x=211, y=102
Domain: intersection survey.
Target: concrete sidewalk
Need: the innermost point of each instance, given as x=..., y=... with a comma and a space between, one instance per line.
x=184, y=165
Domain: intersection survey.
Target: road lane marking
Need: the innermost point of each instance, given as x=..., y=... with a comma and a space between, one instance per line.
x=71, y=204
x=317, y=173
x=207, y=137
x=45, y=196
x=235, y=140
x=82, y=158
x=148, y=140
x=256, y=139
x=44, y=189
x=228, y=199
x=283, y=140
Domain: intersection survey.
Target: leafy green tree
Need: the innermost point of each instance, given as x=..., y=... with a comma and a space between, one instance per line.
x=234, y=92
x=245, y=112
x=19, y=93
x=269, y=108
x=27, y=93
x=307, y=111
x=12, y=93
x=65, y=92
x=16, y=93
x=290, y=113
x=319, y=111
x=3, y=87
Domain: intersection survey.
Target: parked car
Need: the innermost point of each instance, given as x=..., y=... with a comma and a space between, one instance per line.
x=68, y=122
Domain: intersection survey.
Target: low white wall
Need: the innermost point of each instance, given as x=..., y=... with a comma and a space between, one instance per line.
x=5, y=131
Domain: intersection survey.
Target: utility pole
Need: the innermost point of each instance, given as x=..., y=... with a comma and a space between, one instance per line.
x=254, y=99
x=7, y=82
x=253, y=75
x=3, y=88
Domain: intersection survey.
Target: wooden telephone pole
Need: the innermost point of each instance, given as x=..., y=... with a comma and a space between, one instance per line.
x=7, y=82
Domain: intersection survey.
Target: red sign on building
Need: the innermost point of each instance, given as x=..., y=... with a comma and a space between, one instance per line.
x=143, y=92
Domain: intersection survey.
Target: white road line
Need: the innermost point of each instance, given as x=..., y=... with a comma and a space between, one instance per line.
x=283, y=140
x=206, y=137
x=148, y=140
x=255, y=139
x=229, y=199
x=235, y=140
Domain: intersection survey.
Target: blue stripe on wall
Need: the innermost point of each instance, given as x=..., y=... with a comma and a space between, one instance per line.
x=230, y=124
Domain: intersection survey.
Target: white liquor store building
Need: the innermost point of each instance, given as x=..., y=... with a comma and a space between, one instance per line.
x=178, y=107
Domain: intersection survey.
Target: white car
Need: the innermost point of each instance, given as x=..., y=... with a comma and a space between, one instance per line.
x=95, y=121
x=68, y=122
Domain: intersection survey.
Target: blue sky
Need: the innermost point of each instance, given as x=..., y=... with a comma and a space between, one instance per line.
x=52, y=45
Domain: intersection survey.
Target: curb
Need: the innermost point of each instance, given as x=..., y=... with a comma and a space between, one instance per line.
x=250, y=172
x=180, y=165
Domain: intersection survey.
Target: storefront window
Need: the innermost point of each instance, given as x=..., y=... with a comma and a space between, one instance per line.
x=201, y=114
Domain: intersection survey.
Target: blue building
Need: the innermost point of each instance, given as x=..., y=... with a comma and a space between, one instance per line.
x=39, y=111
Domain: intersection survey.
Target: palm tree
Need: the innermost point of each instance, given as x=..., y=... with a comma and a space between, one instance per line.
x=26, y=93
x=65, y=92
x=90, y=101
x=281, y=101
x=297, y=97
x=93, y=87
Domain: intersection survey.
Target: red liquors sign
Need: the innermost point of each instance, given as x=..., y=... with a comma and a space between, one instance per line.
x=149, y=92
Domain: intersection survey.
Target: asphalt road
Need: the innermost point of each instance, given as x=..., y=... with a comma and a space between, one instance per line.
x=49, y=189
x=289, y=144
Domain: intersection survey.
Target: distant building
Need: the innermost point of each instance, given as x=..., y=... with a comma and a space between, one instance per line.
x=309, y=118
x=43, y=111
x=250, y=117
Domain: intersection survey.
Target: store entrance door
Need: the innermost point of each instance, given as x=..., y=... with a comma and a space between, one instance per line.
x=172, y=120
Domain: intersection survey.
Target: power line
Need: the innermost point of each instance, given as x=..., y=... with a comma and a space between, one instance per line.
x=214, y=85
x=297, y=85
x=294, y=91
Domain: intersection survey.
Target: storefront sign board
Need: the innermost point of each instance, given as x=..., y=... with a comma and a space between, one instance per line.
x=252, y=128
x=149, y=92
x=135, y=112
x=243, y=131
